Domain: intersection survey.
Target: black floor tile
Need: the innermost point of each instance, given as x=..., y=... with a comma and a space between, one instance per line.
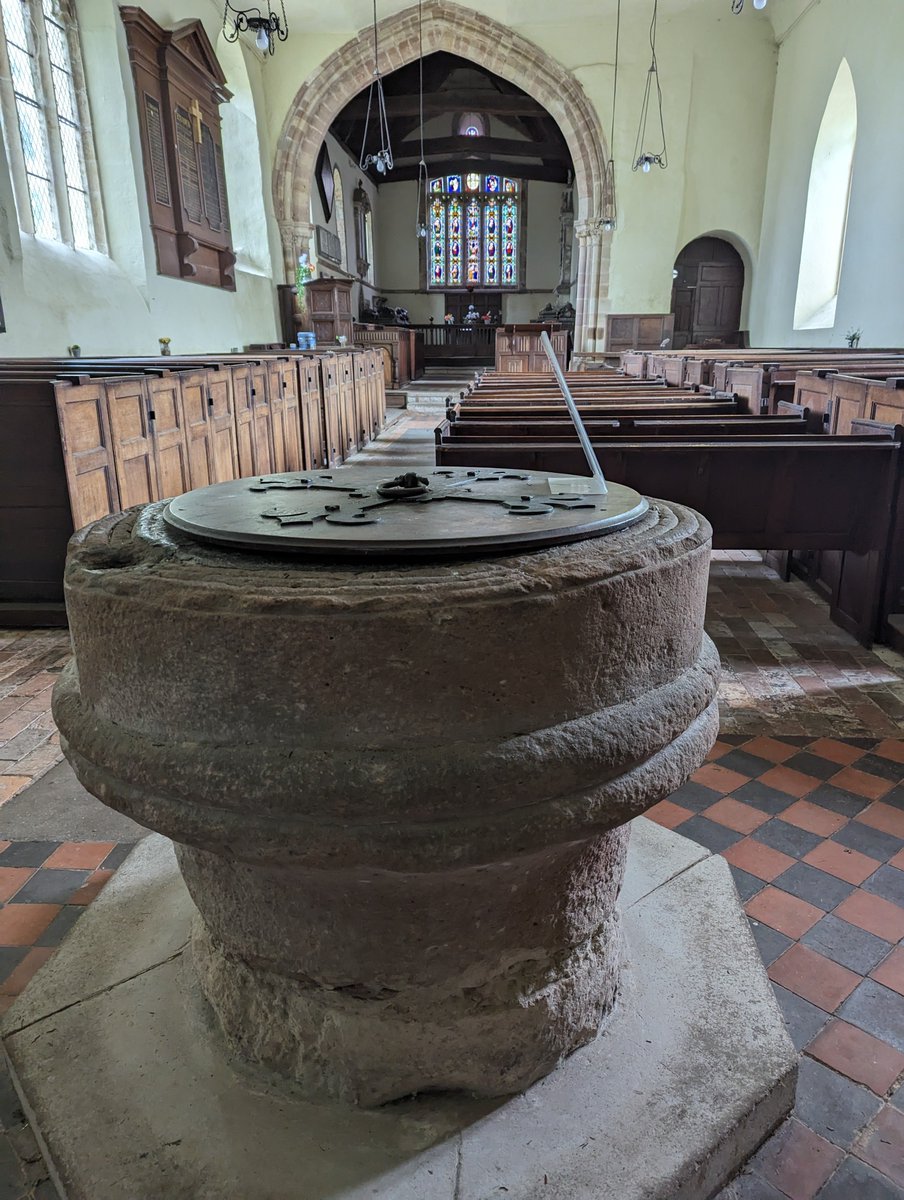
x=874, y=764
x=831, y=1105
x=854, y=1180
x=787, y=838
x=876, y=1009
x=846, y=944
x=61, y=925
x=50, y=887
x=815, y=886
x=804, y=1020
x=750, y=1186
x=709, y=834
x=117, y=856
x=747, y=885
x=10, y=957
x=744, y=763
x=770, y=942
x=887, y=882
x=813, y=765
x=695, y=796
x=873, y=842
x=764, y=798
x=837, y=800
x=27, y=854
x=894, y=798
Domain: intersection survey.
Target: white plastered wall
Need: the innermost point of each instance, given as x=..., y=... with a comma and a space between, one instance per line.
x=117, y=304
x=871, y=291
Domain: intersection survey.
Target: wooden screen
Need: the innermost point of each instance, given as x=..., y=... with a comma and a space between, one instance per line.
x=179, y=88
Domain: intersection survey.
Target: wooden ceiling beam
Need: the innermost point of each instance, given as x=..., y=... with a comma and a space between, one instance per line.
x=483, y=101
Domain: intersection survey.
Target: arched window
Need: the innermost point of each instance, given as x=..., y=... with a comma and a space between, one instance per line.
x=45, y=122
x=339, y=210
x=474, y=235
x=828, y=200
x=471, y=124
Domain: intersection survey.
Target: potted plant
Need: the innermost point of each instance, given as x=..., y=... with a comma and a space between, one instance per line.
x=852, y=337
x=164, y=344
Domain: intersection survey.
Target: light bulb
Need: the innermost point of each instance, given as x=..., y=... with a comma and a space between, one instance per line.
x=646, y=166
x=380, y=165
x=262, y=41
x=759, y=4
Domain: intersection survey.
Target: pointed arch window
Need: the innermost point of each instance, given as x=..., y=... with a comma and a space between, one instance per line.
x=46, y=123
x=474, y=231
x=339, y=209
x=828, y=203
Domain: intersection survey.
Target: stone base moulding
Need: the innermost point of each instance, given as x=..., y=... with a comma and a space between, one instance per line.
x=128, y=1082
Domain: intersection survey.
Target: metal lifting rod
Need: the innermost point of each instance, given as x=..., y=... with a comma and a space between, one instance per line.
x=595, y=469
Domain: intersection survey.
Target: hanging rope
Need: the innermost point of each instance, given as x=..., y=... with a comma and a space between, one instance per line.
x=420, y=223
x=642, y=157
x=382, y=160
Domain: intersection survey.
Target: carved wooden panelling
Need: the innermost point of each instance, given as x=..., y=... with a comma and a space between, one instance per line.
x=180, y=86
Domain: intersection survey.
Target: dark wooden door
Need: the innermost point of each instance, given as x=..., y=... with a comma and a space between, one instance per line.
x=717, y=310
x=706, y=294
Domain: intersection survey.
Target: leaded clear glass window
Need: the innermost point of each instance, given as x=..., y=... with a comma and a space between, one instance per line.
x=45, y=122
x=474, y=231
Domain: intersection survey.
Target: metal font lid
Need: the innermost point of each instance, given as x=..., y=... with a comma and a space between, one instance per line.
x=359, y=512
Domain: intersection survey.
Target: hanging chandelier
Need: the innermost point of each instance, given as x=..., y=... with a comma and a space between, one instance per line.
x=737, y=6
x=267, y=29
x=644, y=158
x=422, y=176
x=381, y=161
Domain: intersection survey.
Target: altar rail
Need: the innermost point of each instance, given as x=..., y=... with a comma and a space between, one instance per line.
x=450, y=344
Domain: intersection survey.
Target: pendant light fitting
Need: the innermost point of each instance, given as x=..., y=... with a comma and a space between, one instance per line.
x=382, y=161
x=645, y=159
x=267, y=29
x=737, y=6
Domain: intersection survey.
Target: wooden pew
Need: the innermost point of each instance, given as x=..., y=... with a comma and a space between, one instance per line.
x=811, y=493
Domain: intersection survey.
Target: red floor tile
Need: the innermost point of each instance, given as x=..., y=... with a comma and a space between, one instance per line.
x=31, y=963
x=834, y=751
x=872, y=913
x=814, y=819
x=718, y=750
x=759, y=860
x=871, y=787
x=23, y=924
x=884, y=818
x=882, y=1145
x=857, y=1055
x=770, y=749
x=85, y=856
x=890, y=972
x=720, y=779
x=792, y=783
x=808, y=974
x=797, y=1161
x=783, y=912
x=11, y=879
x=667, y=814
x=734, y=814
x=89, y=889
x=892, y=748
x=849, y=865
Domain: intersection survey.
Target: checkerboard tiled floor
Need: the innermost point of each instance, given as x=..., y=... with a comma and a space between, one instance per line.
x=804, y=795
x=813, y=829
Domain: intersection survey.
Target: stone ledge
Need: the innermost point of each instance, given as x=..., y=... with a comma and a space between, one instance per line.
x=119, y=1063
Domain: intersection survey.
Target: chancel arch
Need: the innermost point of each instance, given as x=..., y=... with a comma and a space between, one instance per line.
x=448, y=27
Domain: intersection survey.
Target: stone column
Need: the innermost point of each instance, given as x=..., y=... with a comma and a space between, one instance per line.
x=594, y=245
x=297, y=238
x=398, y=793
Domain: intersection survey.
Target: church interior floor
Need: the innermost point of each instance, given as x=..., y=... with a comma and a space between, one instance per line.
x=803, y=794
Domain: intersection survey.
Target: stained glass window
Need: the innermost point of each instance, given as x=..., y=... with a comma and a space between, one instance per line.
x=474, y=231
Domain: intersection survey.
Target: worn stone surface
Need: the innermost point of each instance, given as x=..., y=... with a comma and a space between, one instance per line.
x=396, y=790
x=693, y=1071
